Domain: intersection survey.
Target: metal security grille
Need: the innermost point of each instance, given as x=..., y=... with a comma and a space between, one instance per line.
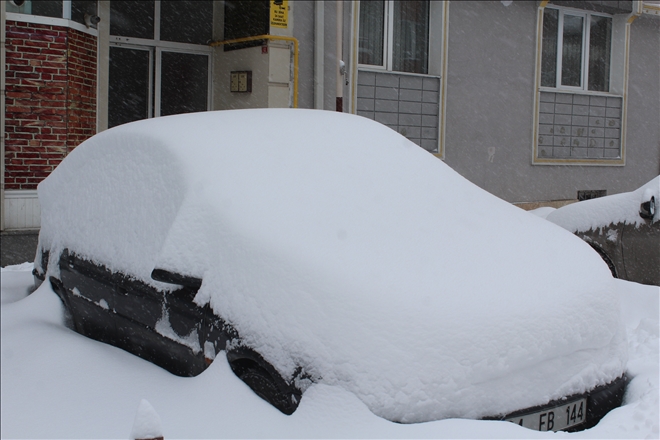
x=573, y=125
x=408, y=104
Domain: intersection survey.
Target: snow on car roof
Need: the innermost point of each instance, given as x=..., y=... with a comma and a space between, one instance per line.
x=332, y=242
x=603, y=211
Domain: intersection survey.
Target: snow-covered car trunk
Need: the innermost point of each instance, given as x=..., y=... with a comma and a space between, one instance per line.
x=348, y=252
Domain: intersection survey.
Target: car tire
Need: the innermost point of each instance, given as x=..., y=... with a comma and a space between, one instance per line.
x=264, y=380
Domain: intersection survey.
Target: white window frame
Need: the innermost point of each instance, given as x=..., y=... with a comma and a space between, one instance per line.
x=65, y=21
x=388, y=40
x=156, y=47
x=586, y=39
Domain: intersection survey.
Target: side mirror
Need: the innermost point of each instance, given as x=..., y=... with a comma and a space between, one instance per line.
x=647, y=209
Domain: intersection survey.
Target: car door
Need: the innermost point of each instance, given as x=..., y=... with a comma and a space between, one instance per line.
x=88, y=292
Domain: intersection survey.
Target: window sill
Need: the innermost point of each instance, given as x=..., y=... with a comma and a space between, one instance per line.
x=367, y=68
x=579, y=92
x=52, y=21
x=580, y=162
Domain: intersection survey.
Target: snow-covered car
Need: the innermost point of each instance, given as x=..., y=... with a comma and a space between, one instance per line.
x=343, y=255
x=623, y=228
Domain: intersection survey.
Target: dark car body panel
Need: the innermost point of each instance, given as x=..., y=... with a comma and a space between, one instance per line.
x=164, y=327
x=631, y=251
x=641, y=252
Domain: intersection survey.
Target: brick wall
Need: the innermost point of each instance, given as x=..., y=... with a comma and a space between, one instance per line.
x=50, y=99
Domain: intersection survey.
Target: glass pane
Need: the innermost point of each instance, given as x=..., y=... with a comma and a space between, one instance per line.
x=549, y=53
x=132, y=19
x=411, y=36
x=184, y=83
x=128, y=94
x=600, y=39
x=372, y=28
x=571, y=51
x=80, y=8
x=246, y=19
x=186, y=21
x=47, y=8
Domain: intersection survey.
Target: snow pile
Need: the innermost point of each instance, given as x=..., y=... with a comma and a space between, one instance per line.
x=543, y=211
x=147, y=424
x=598, y=213
x=59, y=384
x=349, y=251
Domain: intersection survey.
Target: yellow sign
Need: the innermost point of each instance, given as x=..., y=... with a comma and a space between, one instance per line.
x=279, y=13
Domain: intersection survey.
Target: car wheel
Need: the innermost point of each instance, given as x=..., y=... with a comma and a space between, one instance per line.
x=607, y=260
x=264, y=380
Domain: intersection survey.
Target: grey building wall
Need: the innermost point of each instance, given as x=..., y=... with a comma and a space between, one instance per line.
x=490, y=99
x=643, y=149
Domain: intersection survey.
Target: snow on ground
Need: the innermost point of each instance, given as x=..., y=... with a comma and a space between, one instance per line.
x=59, y=384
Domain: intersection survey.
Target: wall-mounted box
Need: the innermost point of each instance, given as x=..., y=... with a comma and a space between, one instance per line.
x=241, y=82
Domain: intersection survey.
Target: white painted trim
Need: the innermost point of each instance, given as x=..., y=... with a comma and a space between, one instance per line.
x=22, y=209
x=581, y=92
x=116, y=40
x=443, y=82
x=38, y=19
x=355, y=37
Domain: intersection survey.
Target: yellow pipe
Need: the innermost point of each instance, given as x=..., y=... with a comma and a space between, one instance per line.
x=272, y=37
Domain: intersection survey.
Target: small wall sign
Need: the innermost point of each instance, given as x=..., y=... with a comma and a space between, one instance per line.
x=279, y=13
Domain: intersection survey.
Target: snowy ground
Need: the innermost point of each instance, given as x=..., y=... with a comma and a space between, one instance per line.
x=58, y=384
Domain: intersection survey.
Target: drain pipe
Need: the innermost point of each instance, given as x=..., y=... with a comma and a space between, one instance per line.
x=341, y=67
x=319, y=53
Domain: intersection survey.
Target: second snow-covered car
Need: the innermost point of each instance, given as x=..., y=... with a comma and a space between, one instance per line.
x=320, y=247
x=623, y=228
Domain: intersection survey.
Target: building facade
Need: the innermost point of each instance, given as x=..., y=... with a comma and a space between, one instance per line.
x=536, y=102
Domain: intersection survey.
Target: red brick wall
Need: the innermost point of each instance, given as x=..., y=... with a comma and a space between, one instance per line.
x=50, y=98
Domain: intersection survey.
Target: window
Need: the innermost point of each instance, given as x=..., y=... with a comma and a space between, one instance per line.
x=576, y=50
x=159, y=61
x=74, y=10
x=246, y=19
x=394, y=35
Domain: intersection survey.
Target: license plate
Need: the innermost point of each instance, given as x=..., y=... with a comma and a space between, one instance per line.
x=558, y=418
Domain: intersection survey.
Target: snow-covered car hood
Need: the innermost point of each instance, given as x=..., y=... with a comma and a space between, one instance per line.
x=604, y=211
x=331, y=242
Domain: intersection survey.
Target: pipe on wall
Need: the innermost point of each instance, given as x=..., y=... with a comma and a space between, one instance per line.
x=340, y=56
x=319, y=53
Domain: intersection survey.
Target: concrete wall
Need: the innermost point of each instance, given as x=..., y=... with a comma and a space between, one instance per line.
x=643, y=146
x=490, y=99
